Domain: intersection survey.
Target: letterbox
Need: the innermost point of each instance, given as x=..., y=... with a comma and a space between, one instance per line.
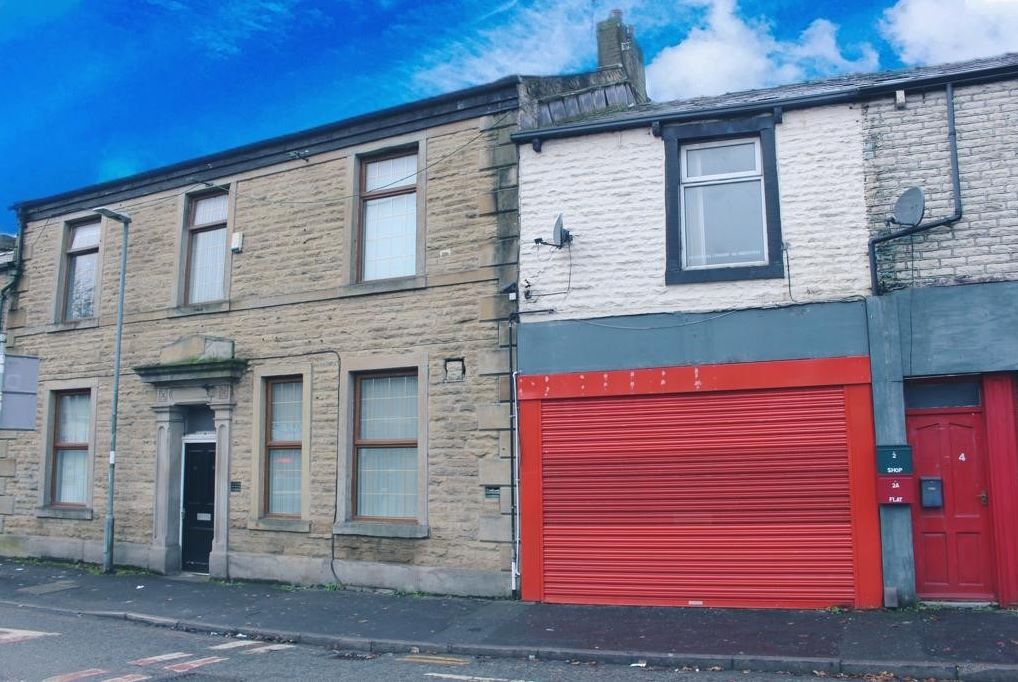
x=894, y=460
x=895, y=490
x=931, y=492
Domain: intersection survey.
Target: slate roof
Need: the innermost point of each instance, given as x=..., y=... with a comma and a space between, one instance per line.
x=854, y=84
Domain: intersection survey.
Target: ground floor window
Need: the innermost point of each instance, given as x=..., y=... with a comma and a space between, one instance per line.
x=385, y=445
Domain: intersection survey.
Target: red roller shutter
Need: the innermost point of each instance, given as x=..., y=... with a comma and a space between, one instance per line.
x=718, y=498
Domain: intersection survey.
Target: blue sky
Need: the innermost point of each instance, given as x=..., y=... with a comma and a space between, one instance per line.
x=98, y=90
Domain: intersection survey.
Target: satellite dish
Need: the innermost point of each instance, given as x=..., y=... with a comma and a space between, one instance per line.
x=909, y=208
x=560, y=236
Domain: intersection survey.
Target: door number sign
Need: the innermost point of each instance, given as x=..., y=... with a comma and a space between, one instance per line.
x=896, y=460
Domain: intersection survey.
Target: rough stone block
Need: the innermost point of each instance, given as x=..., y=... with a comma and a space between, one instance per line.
x=495, y=528
x=493, y=362
x=497, y=307
x=505, y=383
x=486, y=203
x=196, y=347
x=505, y=440
x=493, y=416
x=8, y=467
x=7, y=504
x=493, y=471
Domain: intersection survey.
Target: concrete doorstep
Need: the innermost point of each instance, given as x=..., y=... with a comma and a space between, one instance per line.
x=819, y=667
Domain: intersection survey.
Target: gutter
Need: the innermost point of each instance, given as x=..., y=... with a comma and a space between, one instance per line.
x=952, y=140
x=855, y=94
x=497, y=96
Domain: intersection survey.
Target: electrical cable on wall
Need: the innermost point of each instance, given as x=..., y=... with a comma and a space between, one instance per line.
x=788, y=270
x=532, y=296
x=348, y=197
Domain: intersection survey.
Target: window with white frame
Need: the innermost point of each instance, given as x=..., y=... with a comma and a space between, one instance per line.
x=385, y=446
x=69, y=460
x=284, y=437
x=722, y=205
x=81, y=268
x=388, y=217
x=205, y=269
x=723, y=218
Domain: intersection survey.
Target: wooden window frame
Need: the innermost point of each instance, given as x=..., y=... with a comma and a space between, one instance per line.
x=57, y=446
x=190, y=229
x=69, y=255
x=384, y=193
x=269, y=445
x=359, y=443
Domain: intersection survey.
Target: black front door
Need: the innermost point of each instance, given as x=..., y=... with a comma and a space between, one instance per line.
x=199, y=505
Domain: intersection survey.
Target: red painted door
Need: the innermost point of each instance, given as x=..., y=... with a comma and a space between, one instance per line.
x=953, y=543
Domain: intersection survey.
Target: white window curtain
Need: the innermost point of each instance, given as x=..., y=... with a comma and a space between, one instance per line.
x=284, y=463
x=74, y=417
x=85, y=236
x=81, y=275
x=211, y=210
x=390, y=237
x=70, y=464
x=387, y=476
x=71, y=472
x=287, y=411
x=207, y=268
x=391, y=173
x=284, y=481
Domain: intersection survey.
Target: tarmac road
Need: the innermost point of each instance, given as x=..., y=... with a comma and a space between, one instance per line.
x=38, y=645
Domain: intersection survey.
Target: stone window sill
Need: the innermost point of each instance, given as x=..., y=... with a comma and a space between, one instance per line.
x=183, y=310
x=381, y=529
x=71, y=325
x=75, y=513
x=383, y=286
x=285, y=525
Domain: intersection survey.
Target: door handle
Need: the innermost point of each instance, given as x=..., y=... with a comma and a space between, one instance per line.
x=984, y=499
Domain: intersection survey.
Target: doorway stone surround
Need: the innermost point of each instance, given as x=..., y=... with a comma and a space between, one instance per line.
x=195, y=370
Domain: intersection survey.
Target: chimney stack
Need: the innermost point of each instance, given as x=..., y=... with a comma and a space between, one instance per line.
x=617, y=47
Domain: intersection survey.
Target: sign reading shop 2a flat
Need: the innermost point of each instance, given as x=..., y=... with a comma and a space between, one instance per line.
x=894, y=460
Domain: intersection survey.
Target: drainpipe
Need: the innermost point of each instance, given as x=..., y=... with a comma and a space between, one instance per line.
x=952, y=140
x=11, y=284
x=514, y=463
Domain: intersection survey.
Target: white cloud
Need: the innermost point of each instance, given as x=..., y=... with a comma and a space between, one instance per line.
x=223, y=28
x=726, y=52
x=938, y=31
x=546, y=38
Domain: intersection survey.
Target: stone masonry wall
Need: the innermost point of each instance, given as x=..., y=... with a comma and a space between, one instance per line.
x=290, y=297
x=909, y=147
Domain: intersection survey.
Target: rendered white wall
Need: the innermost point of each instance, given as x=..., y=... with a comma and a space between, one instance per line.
x=610, y=189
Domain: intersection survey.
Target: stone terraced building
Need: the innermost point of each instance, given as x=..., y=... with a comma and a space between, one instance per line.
x=317, y=350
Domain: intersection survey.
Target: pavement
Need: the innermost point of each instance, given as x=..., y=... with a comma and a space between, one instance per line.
x=976, y=645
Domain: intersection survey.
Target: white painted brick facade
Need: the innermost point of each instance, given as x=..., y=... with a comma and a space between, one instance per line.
x=610, y=189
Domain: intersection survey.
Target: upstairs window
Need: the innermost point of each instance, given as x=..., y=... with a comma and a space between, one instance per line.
x=69, y=461
x=722, y=205
x=205, y=272
x=388, y=217
x=722, y=201
x=81, y=269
